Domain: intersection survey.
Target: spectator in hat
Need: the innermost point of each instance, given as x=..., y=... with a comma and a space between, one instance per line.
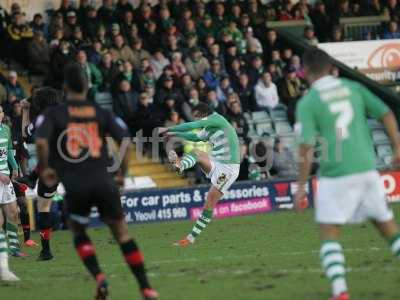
x=309, y=36
x=196, y=64
x=70, y=24
x=290, y=89
x=120, y=51
x=158, y=62
x=253, y=41
x=266, y=92
x=139, y=53
x=106, y=12
x=38, y=54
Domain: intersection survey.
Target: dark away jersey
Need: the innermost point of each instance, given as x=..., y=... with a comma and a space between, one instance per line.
x=77, y=132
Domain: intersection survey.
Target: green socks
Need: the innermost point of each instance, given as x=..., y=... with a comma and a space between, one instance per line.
x=188, y=161
x=3, y=252
x=332, y=260
x=12, y=235
x=201, y=224
x=395, y=245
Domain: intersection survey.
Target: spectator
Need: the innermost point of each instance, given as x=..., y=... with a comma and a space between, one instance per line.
x=90, y=22
x=116, y=30
x=213, y=102
x=106, y=13
x=253, y=41
x=127, y=23
x=138, y=53
x=287, y=54
x=186, y=84
x=19, y=33
x=276, y=73
x=158, y=63
x=196, y=64
x=213, y=76
x=96, y=53
x=284, y=164
x=120, y=51
x=214, y=52
x=109, y=71
x=103, y=38
x=125, y=102
x=146, y=117
x=206, y=28
x=337, y=35
x=93, y=75
x=177, y=66
x=236, y=118
x=71, y=24
x=39, y=54
x=231, y=53
x=245, y=92
x=220, y=20
x=201, y=87
x=296, y=64
x=173, y=119
x=289, y=89
x=189, y=104
x=83, y=10
x=14, y=89
x=255, y=12
x=394, y=9
x=78, y=42
x=309, y=36
x=322, y=21
x=56, y=39
x=151, y=36
x=255, y=70
x=58, y=60
x=3, y=94
x=38, y=25
x=65, y=8
x=392, y=32
x=168, y=90
x=266, y=92
x=224, y=89
x=375, y=8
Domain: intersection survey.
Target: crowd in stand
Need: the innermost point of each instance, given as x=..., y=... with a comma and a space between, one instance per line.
x=159, y=61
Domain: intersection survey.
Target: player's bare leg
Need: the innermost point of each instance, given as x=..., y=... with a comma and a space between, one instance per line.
x=133, y=256
x=390, y=231
x=213, y=196
x=5, y=273
x=332, y=260
x=11, y=212
x=44, y=206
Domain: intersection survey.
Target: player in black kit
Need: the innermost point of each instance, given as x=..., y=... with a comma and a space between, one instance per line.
x=71, y=146
x=42, y=98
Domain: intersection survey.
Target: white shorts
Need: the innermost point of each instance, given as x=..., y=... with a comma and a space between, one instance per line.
x=7, y=193
x=223, y=175
x=351, y=199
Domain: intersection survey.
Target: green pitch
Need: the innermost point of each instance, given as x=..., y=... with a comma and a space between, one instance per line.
x=271, y=256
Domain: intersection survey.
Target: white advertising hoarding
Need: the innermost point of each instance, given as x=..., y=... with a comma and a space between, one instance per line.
x=379, y=60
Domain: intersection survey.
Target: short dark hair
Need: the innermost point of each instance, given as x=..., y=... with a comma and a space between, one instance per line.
x=317, y=61
x=43, y=98
x=74, y=78
x=203, y=109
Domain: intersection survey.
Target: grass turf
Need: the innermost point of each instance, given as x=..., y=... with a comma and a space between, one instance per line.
x=271, y=256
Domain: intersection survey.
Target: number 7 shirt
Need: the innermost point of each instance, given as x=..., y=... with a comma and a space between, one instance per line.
x=76, y=132
x=333, y=116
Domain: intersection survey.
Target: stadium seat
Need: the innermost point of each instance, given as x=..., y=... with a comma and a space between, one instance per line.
x=374, y=124
x=279, y=114
x=260, y=116
x=265, y=127
x=104, y=100
x=384, y=150
x=379, y=137
x=283, y=128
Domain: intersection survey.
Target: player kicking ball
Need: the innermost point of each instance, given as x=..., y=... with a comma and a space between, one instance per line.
x=221, y=165
x=350, y=189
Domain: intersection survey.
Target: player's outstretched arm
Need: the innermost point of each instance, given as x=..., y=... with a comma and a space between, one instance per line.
x=392, y=129
x=189, y=126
